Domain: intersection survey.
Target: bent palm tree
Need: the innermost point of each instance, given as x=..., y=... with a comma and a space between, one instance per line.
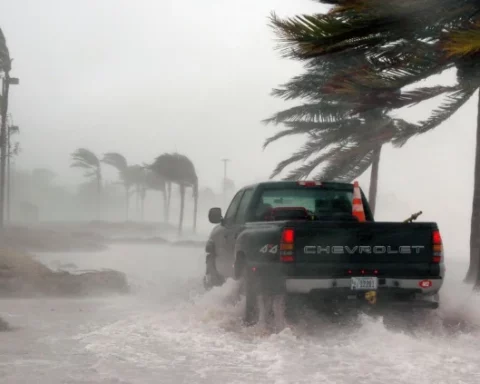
x=179, y=169
x=126, y=174
x=136, y=174
x=414, y=40
x=87, y=160
x=150, y=180
x=345, y=144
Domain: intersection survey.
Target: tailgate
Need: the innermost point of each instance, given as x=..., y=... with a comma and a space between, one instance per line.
x=337, y=248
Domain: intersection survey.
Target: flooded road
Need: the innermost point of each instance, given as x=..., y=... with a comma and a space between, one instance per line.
x=170, y=331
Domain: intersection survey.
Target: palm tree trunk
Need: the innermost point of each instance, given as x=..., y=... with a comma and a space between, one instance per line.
x=182, y=207
x=99, y=196
x=142, y=208
x=8, y=194
x=165, y=205
x=137, y=199
x=473, y=273
x=372, y=191
x=195, y=208
x=169, y=195
x=127, y=202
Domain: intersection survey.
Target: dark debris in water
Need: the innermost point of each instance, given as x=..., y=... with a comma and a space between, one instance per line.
x=4, y=326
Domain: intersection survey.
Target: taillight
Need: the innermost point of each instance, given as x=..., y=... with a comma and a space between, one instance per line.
x=287, y=245
x=309, y=183
x=437, y=245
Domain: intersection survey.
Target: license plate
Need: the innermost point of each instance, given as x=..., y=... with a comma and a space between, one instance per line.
x=363, y=283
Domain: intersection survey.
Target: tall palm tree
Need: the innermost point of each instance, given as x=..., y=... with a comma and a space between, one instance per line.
x=164, y=167
x=179, y=169
x=136, y=174
x=86, y=159
x=145, y=180
x=126, y=173
x=346, y=145
x=447, y=34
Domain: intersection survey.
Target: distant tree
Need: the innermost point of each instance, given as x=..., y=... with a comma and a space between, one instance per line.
x=179, y=169
x=86, y=159
x=127, y=174
x=144, y=179
x=137, y=176
x=153, y=182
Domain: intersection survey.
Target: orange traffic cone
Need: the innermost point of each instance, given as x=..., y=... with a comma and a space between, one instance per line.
x=357, y=204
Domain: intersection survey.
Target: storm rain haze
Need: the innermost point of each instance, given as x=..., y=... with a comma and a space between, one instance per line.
x=110, y=92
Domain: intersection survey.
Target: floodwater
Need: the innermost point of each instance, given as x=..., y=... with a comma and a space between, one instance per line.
x=170, y=331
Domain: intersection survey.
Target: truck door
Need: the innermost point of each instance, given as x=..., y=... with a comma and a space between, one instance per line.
x=222, y=236
x=233, y=225
x=238, y=222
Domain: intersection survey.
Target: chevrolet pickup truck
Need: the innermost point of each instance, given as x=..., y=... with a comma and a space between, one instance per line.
x=302, y=238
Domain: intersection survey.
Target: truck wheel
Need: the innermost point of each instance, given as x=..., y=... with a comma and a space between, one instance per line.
x=212, y=277
x=251, y=296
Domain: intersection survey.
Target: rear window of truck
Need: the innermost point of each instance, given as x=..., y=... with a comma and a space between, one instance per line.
x=319, y=201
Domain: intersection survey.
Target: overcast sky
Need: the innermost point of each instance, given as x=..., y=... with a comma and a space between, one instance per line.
x=150, y=76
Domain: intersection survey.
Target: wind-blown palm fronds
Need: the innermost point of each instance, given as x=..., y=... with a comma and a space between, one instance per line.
x=178, y=169
x=403, y=42
x=85, y=159
x=119, y=162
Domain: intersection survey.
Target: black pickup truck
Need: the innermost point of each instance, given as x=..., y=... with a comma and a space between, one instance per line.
x=286, y=238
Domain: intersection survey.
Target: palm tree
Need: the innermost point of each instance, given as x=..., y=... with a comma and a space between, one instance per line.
x=147, y=179
x=127, y=175
x=415, y=40
x=86, y=159
x=179, y=169
x=136, y=174
x=164, y=168
x=348, y=145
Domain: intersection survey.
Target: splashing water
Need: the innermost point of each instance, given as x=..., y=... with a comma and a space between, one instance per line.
x=171, y=331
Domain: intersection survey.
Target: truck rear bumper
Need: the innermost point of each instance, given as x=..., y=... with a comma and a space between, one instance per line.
x=391, y=292
x=307, y=285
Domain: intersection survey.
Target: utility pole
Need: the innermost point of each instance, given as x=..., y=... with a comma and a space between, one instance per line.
x=7, y=81
x=11, y=129
x=8, y=174
x=225, y=161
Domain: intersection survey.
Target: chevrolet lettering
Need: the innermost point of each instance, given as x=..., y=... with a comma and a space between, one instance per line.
x=362, y=249
x=286, y=239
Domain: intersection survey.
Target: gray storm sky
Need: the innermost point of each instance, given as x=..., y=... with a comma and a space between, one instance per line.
x=150, y=76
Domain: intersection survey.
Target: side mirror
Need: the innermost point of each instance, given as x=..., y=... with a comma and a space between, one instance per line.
x=215, y=215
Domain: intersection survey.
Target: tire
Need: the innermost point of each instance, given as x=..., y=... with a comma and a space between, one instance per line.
x=250, y=316
x=212, y=277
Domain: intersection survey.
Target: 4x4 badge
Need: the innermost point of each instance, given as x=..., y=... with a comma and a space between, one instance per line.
x=269, y=248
